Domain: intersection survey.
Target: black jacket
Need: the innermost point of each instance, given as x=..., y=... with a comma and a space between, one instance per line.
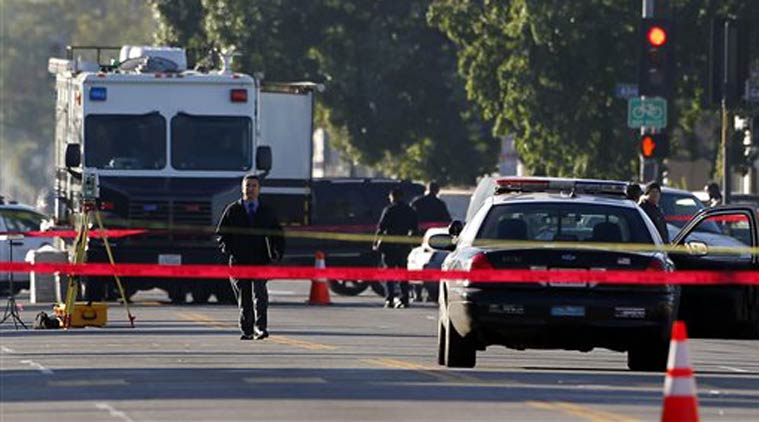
x=245, y=242
x=655, y=214
x=397, y=219
x=430, y=208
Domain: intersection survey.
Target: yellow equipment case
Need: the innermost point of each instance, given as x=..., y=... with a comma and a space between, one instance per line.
x=93, y=314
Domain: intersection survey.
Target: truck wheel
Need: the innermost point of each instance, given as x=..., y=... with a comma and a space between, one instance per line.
x=459, y=352
x=649, y=357
x=348, y=287
x=201, y=294
x=177, y=295
x=93, y=289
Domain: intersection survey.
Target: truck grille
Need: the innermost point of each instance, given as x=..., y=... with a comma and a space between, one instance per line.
x=183, y=219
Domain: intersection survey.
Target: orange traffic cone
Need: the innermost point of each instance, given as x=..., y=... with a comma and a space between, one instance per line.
x=680, y=399
x=319, y=289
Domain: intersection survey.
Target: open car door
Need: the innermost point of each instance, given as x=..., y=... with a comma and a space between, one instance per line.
x=720, y=239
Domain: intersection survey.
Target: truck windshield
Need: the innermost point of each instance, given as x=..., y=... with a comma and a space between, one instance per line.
x=125, y=141
x=211, y=142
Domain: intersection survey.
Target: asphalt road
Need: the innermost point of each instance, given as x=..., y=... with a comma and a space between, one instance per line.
x=352, y=360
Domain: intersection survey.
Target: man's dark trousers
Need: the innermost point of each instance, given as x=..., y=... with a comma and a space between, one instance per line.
x=391, y=260
x=253, y=301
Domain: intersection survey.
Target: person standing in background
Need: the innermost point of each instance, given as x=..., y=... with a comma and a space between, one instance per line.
x=650, y=204
x=397, y=219
x=429, y=208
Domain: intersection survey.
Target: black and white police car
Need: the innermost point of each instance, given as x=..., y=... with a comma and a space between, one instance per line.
x=635, y=319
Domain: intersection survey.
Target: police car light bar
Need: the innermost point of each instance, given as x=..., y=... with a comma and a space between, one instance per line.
x=552, y=184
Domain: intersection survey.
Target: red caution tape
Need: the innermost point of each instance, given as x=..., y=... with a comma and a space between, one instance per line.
x=112, y=233
x=367, y=273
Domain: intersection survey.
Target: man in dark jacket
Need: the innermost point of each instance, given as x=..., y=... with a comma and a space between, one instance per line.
x=250, y=234
x=650, y=204
x=429, y=208
x=397, y=219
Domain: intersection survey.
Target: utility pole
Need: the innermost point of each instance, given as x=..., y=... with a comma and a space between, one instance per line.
x=728, y=54
x=649, y=167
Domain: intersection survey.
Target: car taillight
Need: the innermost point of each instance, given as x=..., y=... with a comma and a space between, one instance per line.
x=655, y=265
x=480, y=262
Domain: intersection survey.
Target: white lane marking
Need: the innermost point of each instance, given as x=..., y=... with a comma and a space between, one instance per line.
x=294, y=380
x=113, y=412
x=730, y=368
x=281, y=292
x=38, y=366
x=87, y=383
x=6, y=349
x=431, y=318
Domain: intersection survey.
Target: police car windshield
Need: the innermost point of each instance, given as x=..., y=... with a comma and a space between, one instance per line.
x=564, y=223
x=211, y=142
x=125, y=141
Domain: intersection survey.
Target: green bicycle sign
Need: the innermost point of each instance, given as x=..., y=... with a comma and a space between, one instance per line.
x=647, y=112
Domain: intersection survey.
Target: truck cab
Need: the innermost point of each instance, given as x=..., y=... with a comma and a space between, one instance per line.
x=169, y=146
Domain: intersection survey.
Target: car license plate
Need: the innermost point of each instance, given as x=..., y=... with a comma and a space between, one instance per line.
x=170, y=259
x=568, y=311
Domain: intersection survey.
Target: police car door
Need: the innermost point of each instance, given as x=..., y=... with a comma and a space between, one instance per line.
x=720, y=239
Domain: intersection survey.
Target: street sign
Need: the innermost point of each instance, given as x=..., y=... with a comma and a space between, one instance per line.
x=647, y=112
x=625, y=91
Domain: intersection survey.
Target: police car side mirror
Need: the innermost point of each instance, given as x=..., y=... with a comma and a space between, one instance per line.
x=263, y=158
x=73, y=155
x=442, y=242
x=455, y=228
x=697, y=248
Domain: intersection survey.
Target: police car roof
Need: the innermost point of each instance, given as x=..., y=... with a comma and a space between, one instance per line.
x=556, y=189
x=558, y=197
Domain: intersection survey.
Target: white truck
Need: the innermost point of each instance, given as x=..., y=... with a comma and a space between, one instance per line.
x=169, y=147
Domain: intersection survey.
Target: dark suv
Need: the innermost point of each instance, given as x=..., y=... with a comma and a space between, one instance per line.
x=345, y=205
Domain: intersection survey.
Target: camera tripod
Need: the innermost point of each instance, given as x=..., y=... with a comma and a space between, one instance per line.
x=11, y=309
x=89, y=210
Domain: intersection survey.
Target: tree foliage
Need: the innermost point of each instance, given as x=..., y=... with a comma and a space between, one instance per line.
x=31, y=32
x=546, y=71
x=393, y=99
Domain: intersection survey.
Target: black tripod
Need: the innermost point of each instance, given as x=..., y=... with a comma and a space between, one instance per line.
x=11, y=310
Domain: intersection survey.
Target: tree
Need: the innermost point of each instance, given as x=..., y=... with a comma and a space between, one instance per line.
x=33, y=31
x=393, y=98
x=546, y=70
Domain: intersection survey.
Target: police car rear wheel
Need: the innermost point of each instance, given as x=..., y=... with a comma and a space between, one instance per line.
x=651, y=356
x=348, y=287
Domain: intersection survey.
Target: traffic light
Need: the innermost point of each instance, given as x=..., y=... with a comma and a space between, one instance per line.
x=729, y=60
x=654, y=145
x=656, y=62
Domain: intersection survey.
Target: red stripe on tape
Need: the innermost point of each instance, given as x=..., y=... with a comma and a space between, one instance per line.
x=112, y=233
x=370, y=273
x=680, y=372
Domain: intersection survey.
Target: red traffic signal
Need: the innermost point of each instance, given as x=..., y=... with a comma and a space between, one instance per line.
x=656, y=61
x=657, y=36
x=654, y=145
